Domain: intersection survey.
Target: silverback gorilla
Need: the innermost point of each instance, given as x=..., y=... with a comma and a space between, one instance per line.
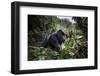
x=54, y=41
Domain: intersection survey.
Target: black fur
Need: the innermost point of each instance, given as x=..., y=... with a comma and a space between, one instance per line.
x=54, y=41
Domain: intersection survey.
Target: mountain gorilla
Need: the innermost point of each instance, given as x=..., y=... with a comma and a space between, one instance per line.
x=55, y=40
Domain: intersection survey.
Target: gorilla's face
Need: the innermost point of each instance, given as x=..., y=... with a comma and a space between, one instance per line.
x=61, y=36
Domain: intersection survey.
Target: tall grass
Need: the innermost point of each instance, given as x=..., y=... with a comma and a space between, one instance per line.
x=74, y=47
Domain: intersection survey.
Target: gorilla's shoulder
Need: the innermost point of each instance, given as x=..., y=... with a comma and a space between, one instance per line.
x=53, y=35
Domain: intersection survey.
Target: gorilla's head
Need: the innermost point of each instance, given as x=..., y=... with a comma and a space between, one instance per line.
x=61, y=32
x=61, y=36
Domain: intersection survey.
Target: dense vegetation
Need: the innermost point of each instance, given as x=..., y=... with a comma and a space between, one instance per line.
x=40, y=27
